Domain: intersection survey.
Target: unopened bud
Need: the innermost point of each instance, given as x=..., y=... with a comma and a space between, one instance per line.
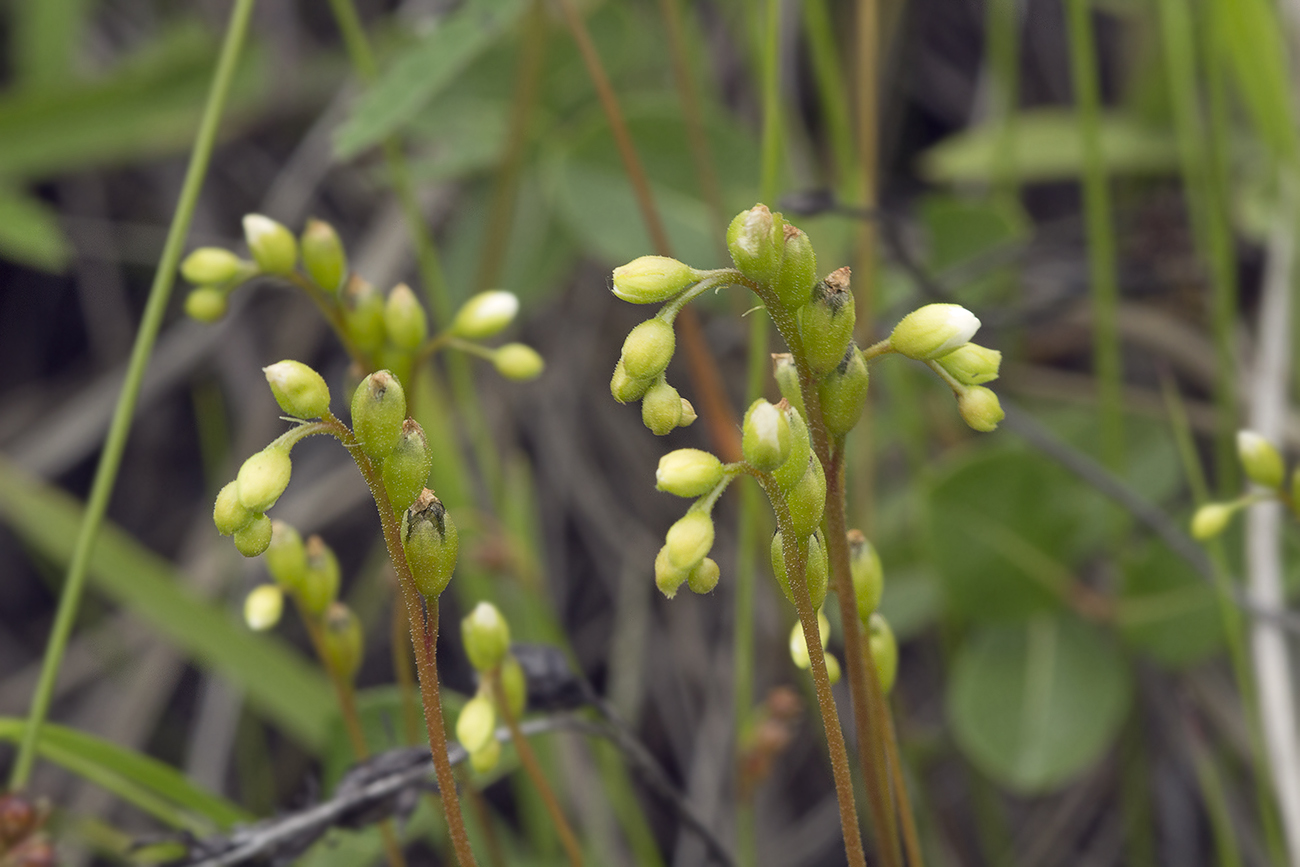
x=378, y=410
x=884, y=651
x=867, y=572
x=518, y=362
x=650, y=279
x=625, y=388
x=792, y=469
x=787, y=380
x=648, y=349
x=933, y=331
x=485, y=759
x=980, y=409
x=514, y=684
x=807, y=499
x=817, y=570
x=485, y=315
x=1260, y=460
x=263, y=478
x=323, y=256
x=799, y=642
x=211, y=266
x=688, y=473
x=755, y=240
x=431, y=542
x=228, y=513
x=797, y=273
x=486, y=636
x=690, y=539
x=826, y=322
x=272, y=245
x=476, y=723
x=253, y=538
x=661, y=408
x=206, y=304
x=263, y=607
x=405, y=322
x=704, y=577
x=300, y=391
x=1211, y=519
x=286, y=557
x=320, y=583
x=765, y=436
x=363, y=314
x=668, y=578
x=406, y=469
x=342, y=642
x=843, y=392
x=972, y=364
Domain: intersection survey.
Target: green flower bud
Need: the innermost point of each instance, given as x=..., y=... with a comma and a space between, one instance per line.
x=668, y=578
x=792, y=470
x=286, y=557
x=320, y=583
x=263, y=478
x=980, y=408
x=843, y=393
x=228, y=513
x=300, y=391
x=431, y=542
x=884, y=650
x=818, y=569
x=756, y=239
x=1211, y=519
x=323, y=256
x=972, y=364
x=485, y=759
x=624, y=388
x=1260, y=460
x=342, y=643
x=514, y=684
x=690, y=539
x=648, y=349
x=406, y=469
x=486, y=636
x=688, y=473
x=476, y=723
x=765, y=437
x=378, y=410
x=798, y=270
x=206, y=304
x=405, y=322
x=826, y=322
x=787, y=379
x=485, y=315
x=650, y=279
x=799, y=642
x=253, y=539
x=518, y=362
x=661, y=408
x=807, y=499
x=211, y=266
x=263, y=607
x=933, y=331
x=867, y=572
x=704, y=577
x=363, y=314
x=273, y=246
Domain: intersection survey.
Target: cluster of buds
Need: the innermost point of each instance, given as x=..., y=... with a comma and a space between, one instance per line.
x=390, y=331
x=939, y=335
x=21, y=842
x=1263, y=465
x=486, y=637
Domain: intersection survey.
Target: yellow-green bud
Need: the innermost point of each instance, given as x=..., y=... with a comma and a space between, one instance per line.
x=363, y=314
x=378, y=410
x=690, y=539
x=765, y=438
x=933, y=331
x=485, y=315
x=211, y=266
x=867, y=572
x=787, y=379
x=624, y=388
x=648, y=349
x=833, y=673
x=286, y=557
x=476, y=723
x=843, y=393
x=688, y=473
x=228, y=513
x=342, y=643
x=972, y=364
x=1211, y=519
x=487, y=757
x=323, y=256
x=817, y=573
x=650, y=279
x=263, y=478
x=1260, y=460
x=406, y=469
x=884, y=651
x=807, y=499
x=668, y=578
x=272, y=245
x=514, y=684
x=756, y=239
x=661, y=408
x=799, y=642
x=704, y=577
x=206, y=304
x=431, y=542
x=263, y=606
x=826, y=322
x=486, y=636
x=405, y=322
x=253, y=538
x=320, y=583
x=300, y=391
x=798, y=270
x=792, y=470
x=980, y=409
x=518, y=362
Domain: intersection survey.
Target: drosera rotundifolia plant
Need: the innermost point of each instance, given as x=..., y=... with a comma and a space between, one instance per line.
x=796, y=450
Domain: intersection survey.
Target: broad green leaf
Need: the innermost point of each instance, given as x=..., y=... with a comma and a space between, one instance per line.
x=133, y=776
x=30, y=232
x=1047, y=148
x=1034, y=704
x=1167, y=611
x=961, y=228
x=276, y=680
x=423, y=70
x=1251, y=34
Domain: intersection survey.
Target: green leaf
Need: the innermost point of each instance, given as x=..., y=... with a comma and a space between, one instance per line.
x=146, y=782
x=30, y=233
x=1168, y=612
x=1035, y=704
x=1251, y=32
x=1046, y=147
x=276, y=680
x=422, y=71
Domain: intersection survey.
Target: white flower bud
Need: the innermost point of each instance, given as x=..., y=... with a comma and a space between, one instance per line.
x=933, y=331
x=485, y=315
